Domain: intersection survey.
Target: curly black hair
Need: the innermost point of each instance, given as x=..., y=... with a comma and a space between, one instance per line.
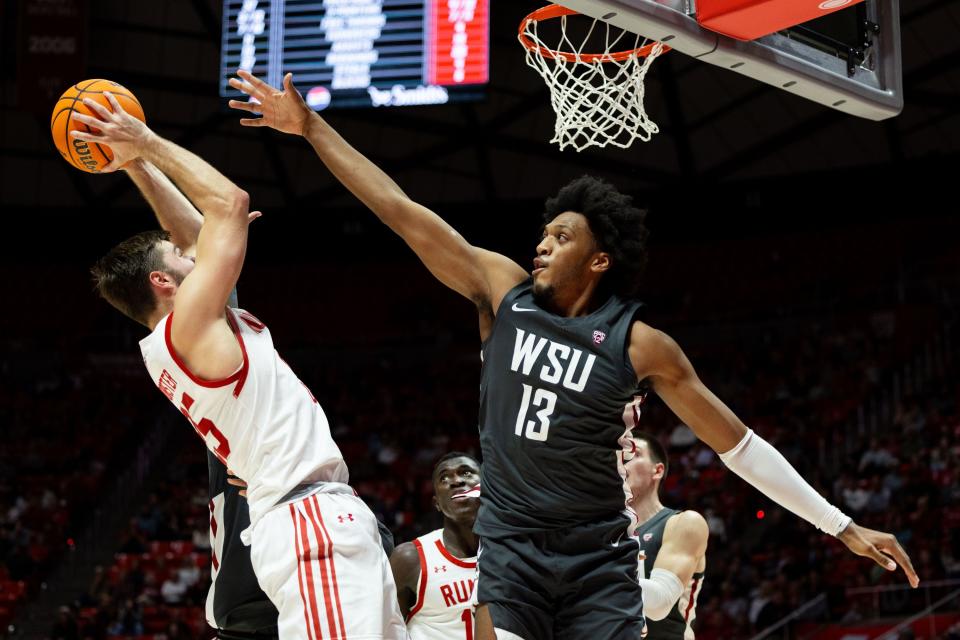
x=616, y=224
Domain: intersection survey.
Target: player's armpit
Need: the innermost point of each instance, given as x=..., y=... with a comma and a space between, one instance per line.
x=501, y=274
x=658, y=359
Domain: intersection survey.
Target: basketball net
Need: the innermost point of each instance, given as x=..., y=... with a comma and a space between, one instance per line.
x=597, y=98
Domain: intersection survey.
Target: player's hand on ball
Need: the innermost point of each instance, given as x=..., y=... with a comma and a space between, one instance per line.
x=124, y=134
x=882, y=547
x=281, y=110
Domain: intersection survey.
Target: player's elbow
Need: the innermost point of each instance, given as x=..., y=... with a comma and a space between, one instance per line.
x=230, y=203
x=238, y=202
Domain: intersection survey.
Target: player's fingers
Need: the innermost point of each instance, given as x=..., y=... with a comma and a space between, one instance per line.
x=880, y=557
x=245, y=87
x=252, y=107
x=253, y=215
x=288, y=84
x=117, y=108
x=112, y=166
x=85, y=136
x=97, y=108
x=257, y=83
x=251, y=122
x=244, y=493
x=901, y=557
x=237, y=482
x=90, y=121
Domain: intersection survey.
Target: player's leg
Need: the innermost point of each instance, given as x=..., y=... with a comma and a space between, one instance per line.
x=362, y=585
x=603, y=599
x=314, y=559
x=513, y=590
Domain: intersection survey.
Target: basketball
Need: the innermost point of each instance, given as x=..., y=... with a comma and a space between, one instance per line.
x=89, y=157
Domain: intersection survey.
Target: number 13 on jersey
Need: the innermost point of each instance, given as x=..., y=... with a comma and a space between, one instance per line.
x=543, y=402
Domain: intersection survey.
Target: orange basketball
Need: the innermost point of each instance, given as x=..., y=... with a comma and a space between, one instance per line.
x=89, y=157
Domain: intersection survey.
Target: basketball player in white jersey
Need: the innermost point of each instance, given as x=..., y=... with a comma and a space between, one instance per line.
x=435, y=573
x=315, y=547
x=673, y=546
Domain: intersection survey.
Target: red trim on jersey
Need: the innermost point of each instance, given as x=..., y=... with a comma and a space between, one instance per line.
x=304, y=558
x=693, y=598
x=323, y=558
x=452, y=558
x=333, y=568
x=239, y=376
x=421, y=592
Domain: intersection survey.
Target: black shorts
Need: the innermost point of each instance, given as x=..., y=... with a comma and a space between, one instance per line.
x=567, y=584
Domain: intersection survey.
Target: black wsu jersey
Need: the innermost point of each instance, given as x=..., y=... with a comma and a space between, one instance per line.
x=557, y=396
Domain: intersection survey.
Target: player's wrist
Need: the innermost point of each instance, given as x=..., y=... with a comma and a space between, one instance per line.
x=309, y=123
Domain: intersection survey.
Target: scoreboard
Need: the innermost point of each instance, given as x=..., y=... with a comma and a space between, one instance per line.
x=361, y=53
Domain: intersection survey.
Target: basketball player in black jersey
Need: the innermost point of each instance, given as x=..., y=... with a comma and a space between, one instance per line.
x=563, y=353
x=673, y=544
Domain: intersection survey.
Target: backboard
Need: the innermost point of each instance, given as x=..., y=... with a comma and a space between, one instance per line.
x=849, y=60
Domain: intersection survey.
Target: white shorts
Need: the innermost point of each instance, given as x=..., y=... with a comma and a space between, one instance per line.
x=320, y=561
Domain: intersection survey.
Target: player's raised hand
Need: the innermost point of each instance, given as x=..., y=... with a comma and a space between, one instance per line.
x=882, y=547
x=125, y=135
x=281, y=110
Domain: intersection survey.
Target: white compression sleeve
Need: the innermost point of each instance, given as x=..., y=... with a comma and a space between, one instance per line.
x=757, y=462
x=660, y=592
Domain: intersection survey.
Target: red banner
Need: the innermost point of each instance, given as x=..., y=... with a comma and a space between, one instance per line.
x=458, y=41
x=51, y=51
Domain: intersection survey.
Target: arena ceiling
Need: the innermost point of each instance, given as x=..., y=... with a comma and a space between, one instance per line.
x=717, y=128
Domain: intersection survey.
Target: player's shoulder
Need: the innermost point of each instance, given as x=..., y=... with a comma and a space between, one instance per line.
x=643, y=334
x=405, y=562
x=689, y=526
x=406, y=553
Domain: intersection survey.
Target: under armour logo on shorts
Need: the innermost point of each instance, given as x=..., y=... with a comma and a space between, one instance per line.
x=345, y=518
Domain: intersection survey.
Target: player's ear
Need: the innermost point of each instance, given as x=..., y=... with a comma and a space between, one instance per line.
x=659, y=470
x=600, y=262
x=436, y=503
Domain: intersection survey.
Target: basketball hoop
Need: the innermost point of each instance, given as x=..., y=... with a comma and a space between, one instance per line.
x=598, y=97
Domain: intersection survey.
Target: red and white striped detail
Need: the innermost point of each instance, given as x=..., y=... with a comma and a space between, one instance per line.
x=631, y=420
x=316, y=573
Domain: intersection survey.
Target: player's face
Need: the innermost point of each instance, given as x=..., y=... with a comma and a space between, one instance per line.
x=178, y=265
x=643, y=473
x=451, y=480
x=565, y=255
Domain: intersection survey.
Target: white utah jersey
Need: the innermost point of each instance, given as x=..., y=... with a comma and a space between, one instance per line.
x=262, y=421
x=444, y=609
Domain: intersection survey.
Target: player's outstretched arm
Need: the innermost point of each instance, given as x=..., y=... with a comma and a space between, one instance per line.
x=684, y=545
x=405, y=563
x=479, y=275
x=200, y=334
x=658, y=359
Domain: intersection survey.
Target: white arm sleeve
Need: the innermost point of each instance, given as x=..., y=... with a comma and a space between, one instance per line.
x=757, y=462
x=660, y=592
